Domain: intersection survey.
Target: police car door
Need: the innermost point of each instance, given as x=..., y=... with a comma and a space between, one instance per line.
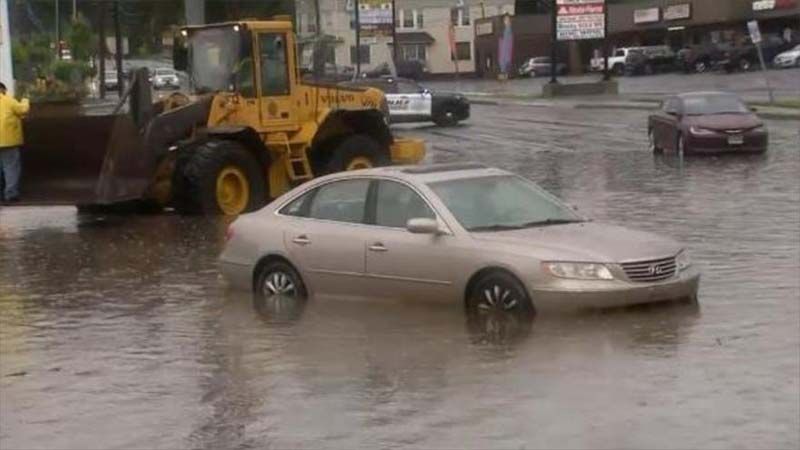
x=411, y=102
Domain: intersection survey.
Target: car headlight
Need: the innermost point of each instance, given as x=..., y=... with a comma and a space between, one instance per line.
x=578, y=271
x=697, y=131
x=683, y=261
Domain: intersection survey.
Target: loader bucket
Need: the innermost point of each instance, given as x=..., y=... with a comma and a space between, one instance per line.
x=74, y=158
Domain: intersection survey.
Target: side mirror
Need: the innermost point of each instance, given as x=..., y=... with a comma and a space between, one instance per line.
x=753, y=109
x=422, y=226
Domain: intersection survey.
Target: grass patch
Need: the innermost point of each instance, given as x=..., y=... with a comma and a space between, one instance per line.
x=792, y=103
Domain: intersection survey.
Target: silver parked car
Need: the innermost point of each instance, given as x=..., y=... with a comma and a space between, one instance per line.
x=458, y=233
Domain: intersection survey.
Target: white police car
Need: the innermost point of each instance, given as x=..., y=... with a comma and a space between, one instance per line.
x=410, y=102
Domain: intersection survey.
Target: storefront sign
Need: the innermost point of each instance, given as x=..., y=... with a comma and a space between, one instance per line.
x=769, y=5
x=648, y=15
x=678, y=12
x=484, y=28
x=580, y=19
x=763, y=5
x=375, y=17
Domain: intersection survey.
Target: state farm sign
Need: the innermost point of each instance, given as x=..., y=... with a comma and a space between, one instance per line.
x=580, y=19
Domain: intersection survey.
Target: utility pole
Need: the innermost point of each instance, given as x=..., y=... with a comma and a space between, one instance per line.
x=101, y=47
x=395, y=45
x=74, y=10
x=606, y=73
x=358, y=38
x=118, y=50
x=554, y=43
x=318, y=57
x=6, y=68
x=58, y=33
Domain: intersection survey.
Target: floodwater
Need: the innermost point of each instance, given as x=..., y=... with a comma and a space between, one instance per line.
x=116, y=332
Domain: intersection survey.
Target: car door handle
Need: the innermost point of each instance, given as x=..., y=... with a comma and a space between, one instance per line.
x=378, y=247
x=301, y=240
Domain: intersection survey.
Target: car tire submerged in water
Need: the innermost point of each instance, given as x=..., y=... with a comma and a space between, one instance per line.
x=680, y=145
x=279, y=291
x=357, y=152
x=220, y=177
x=446, y=118
x=498, y=292
x=652, y=142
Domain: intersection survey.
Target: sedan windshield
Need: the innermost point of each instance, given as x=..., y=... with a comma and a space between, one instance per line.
x=714, y=104
x=503, y=202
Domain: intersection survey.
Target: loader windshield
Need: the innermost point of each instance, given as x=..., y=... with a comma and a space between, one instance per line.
x=214, y=56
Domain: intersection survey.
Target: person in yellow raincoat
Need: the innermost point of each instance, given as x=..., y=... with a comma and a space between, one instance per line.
x=11, y=140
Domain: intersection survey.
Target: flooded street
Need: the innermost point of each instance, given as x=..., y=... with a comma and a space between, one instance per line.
x=117, y=332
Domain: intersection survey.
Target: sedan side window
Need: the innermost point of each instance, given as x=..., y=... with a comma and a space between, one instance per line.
x=341, y=201
x=396, y=203
x=298, y=207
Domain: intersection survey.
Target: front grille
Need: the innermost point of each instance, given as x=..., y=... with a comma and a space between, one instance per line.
x=649, y=271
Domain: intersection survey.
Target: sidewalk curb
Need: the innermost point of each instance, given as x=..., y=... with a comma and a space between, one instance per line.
x=638, y=105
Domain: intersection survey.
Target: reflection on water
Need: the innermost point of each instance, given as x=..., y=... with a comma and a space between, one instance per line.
x=114, y=325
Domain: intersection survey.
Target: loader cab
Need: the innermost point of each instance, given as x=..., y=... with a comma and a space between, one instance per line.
x=249, y=62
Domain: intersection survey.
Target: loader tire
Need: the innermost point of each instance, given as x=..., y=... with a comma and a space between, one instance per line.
x=220, y=177
x=357, y=152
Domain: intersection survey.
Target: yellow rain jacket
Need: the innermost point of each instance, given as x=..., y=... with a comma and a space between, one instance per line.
x=11, y=114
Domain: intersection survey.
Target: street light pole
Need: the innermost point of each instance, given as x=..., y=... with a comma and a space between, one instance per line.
x=358, y=38
x=58, y=33
x=395, y=46
x=553, y=43
x=118, y=50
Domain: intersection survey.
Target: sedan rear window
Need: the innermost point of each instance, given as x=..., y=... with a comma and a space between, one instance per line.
x=714, y=104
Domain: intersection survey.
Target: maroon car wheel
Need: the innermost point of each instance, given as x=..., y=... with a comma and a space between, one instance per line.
x=681, y=145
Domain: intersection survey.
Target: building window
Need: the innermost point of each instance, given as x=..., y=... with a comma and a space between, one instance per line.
x=459, y=17
x=364, y=54
x=463, y=51
x=413, y=52
x=410, y=19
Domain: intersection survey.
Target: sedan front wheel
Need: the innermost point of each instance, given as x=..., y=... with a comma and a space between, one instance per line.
x=498, y=292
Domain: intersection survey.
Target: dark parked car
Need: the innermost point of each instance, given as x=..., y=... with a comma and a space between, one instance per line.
x=745, y=57
x=706, y=122
x=410, y=102
x=650, y=60
x=701, y=58
x=541, y=66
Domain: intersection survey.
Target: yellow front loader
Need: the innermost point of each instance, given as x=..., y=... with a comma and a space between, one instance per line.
x=248, y=130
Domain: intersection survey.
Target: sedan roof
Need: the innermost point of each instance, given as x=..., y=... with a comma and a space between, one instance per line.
x=427, y=173
x=705, y=94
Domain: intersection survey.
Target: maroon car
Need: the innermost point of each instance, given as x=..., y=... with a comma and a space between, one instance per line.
x=706, y=122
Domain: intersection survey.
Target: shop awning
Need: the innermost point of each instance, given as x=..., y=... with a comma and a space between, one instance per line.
x=415, y=37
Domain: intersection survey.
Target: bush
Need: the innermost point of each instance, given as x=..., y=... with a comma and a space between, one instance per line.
x=71, y=71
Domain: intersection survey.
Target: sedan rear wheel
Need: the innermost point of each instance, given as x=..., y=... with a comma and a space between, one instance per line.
x=280, y=294
x=278, y=281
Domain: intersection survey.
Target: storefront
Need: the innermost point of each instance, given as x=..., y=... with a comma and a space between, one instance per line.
x=676, y=23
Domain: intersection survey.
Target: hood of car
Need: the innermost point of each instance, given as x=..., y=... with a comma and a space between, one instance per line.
x=584, y=242
x=724, y=121
x=789, y=54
